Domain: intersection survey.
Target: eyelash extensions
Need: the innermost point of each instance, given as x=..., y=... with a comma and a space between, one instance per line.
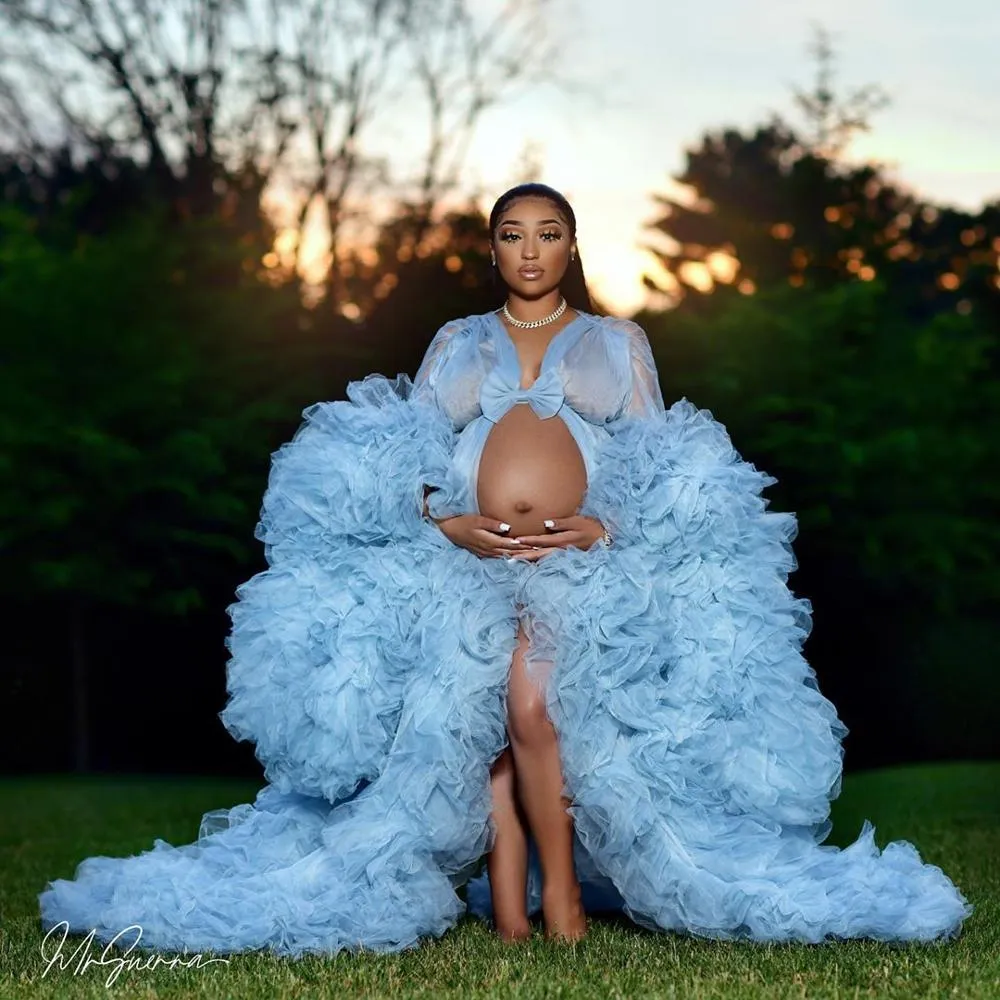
x=510, y=236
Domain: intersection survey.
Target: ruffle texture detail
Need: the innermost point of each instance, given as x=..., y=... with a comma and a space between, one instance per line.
x=333, y=868
x=698, y=751
x=330, y=623
x=369, y=666
x=354, y=470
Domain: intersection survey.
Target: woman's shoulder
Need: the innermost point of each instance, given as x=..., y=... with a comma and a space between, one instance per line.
x=620, y=326
x=463, y=326
x=616, y=331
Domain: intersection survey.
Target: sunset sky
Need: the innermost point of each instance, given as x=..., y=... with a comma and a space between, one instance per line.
x=669, y=71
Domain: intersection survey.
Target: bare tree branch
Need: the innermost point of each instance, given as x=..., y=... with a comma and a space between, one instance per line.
x=298, y=92
x=834, y=120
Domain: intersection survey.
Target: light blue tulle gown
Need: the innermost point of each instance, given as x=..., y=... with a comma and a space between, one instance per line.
x=369, y=666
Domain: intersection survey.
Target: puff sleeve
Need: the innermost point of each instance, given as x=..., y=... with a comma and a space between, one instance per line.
x=447, y=490
x=645, y=396
x=425, y=382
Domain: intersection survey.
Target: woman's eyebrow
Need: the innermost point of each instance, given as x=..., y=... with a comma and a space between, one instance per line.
x=541, y=222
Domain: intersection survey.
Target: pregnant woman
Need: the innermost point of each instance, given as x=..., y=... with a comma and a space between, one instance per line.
x=519, y=610
x=530, y=480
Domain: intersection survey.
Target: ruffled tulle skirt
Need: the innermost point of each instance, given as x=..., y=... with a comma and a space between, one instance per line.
x=369, y=667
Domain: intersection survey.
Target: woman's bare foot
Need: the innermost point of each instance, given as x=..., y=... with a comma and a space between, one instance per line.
x=565, y=919
x=514, y=933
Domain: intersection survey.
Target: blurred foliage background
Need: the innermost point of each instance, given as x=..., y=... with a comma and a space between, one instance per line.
x=159, y=338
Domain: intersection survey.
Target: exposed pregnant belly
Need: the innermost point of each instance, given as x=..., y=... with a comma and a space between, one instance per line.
x=530, y=469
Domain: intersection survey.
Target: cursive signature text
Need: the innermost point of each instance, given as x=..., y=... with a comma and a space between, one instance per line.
x=83, y=959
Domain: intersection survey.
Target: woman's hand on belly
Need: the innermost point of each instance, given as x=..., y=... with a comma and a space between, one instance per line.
x=484, y=536
x=578, y=531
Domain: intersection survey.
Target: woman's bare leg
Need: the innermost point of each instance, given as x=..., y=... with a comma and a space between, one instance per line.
x=507, y=863
x=535, y=747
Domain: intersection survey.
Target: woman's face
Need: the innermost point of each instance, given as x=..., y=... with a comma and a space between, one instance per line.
x=532, y=243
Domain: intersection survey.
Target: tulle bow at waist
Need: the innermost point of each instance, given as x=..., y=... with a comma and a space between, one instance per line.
x=500, y=391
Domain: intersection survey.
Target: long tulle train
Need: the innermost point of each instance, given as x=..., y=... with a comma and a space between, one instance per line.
x=369, y=666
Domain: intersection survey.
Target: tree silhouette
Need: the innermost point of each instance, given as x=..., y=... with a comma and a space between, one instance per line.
x=771, y=206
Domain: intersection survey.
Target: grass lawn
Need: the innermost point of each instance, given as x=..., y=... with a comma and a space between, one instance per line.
x=951, y=812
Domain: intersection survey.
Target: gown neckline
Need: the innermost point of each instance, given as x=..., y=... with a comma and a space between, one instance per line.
x=505, y=335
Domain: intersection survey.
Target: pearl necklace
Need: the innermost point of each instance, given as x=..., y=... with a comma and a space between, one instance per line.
x=525, y=324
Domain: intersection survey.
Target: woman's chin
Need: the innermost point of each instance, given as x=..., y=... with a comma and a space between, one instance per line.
x=532, y=291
